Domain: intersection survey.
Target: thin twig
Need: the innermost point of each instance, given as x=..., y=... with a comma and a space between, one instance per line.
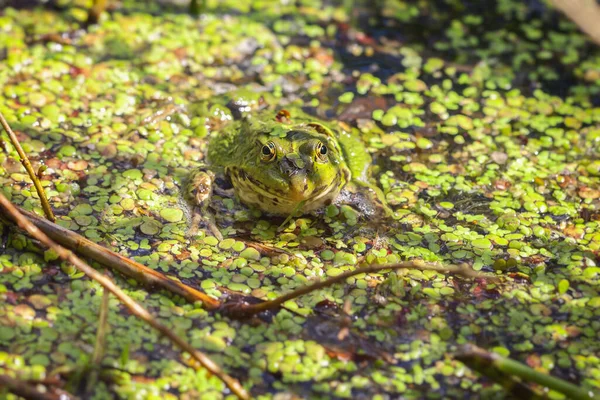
x=134, y=307
x=251, y=309
x=142, y=274
x=25, y=161
x=102, y=329
x=503, y=370
x=100, y=345
x=24, y=389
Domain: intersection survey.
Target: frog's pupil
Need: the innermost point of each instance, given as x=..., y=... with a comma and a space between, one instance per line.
x=266, y=150
x=323, y=150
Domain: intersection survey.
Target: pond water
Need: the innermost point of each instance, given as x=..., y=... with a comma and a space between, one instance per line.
x=483, y=123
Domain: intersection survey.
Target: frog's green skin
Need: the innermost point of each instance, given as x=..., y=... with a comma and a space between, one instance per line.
x=279, y=166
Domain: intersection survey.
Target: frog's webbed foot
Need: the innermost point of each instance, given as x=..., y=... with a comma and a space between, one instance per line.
x=378, y=198
x=198, y=192
x=368, y=200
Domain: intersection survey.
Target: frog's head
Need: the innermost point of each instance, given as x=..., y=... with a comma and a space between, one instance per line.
x=292, y=163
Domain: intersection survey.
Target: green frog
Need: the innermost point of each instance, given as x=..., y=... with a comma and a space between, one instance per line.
x=280, y=164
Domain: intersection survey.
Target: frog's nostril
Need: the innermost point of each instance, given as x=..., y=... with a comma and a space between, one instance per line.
x=292, y=164
x=288, y=168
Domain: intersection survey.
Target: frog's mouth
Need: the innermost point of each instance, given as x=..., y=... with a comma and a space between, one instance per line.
x=298, y=190
x=255, y=192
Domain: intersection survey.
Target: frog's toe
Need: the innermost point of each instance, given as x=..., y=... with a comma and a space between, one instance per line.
x=212, y=227
x=206, y=218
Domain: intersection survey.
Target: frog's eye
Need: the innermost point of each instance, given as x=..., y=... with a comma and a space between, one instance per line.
x=321, y=151
x=267, y=153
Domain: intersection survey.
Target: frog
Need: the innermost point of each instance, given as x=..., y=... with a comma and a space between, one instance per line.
x=280, y=164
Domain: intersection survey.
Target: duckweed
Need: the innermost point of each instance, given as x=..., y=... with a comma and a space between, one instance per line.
x=482, y=123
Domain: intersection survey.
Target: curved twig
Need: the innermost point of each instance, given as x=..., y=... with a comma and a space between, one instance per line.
x=25, y=161
x=134, y=307
x=246, y=309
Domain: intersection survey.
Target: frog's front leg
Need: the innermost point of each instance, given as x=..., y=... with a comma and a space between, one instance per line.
x=198, y=192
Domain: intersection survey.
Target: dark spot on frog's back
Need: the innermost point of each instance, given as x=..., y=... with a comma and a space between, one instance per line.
x=298, y=135
x=236, y=108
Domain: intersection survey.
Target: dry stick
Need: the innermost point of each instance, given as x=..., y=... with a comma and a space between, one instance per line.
x=25, y=161
x=135, y=308
x=585, y=13
x=146, y=276
x=25, y=390
x=462, y=270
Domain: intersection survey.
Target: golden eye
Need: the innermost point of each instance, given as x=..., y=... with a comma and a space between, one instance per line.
x=267, y=153
x=321, y=151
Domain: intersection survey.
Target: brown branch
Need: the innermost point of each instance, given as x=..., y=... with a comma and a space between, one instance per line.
x=585, y=13
x=24, y=389
x=134, y=307
x=142, y=274
x=243, y=310
x=25, y=161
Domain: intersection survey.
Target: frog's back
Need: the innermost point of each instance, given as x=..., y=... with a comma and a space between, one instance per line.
x=222, y=145
x=230, y=145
